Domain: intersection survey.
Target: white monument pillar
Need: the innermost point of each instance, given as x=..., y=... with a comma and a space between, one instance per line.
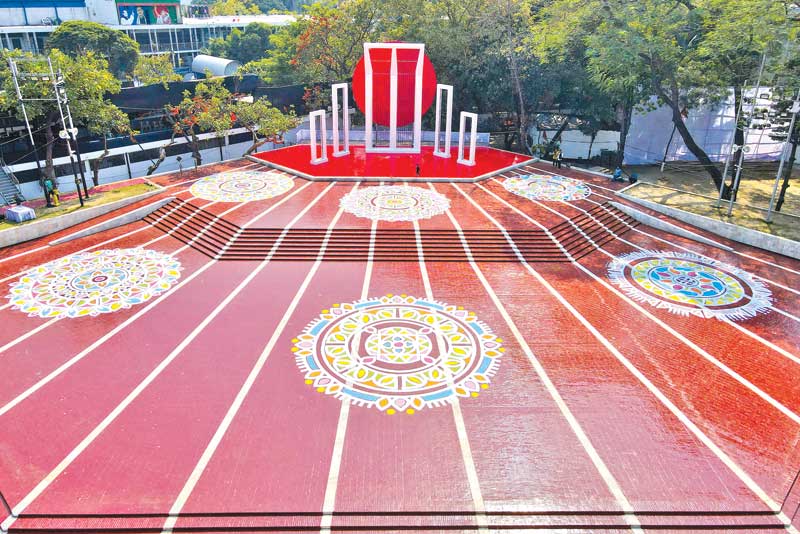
x=337, y=150
x=473, y=138
x=448, y=121
x=393, y=86
x=312, y=118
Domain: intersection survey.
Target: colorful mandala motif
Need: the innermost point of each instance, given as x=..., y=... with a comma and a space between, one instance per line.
x=550, y=188
x=397, y=353
x=242, y=186
x=689, y=284
x=395, y=203
x=91, y=283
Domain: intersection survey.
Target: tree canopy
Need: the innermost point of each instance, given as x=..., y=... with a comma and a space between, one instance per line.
x=87, y=81
x=155, y=68
x=686, y=53
x=250, y=44
x=77, y=37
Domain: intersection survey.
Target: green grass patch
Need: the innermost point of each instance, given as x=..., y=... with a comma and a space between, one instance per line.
x=73, y=204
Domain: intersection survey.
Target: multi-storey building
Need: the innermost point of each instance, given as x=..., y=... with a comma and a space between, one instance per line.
x=159, y=26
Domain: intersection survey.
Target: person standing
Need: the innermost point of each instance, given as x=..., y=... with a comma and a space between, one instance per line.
x=48, y=192
x=556, y=154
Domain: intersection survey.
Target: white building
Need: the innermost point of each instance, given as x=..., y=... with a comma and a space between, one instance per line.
x=159, y=26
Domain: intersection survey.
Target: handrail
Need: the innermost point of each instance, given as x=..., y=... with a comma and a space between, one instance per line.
x=7, y=170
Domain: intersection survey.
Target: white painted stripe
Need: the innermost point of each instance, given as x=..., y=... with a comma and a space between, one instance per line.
x=683, y=339
x=738, y=471
x=455, y=404
x=197, y=211
x=279, y=203
x=216, y=439
x=694, y=251
x=75, y=359
x=28, y=392
x=332, y=486
x=734, y=251
x=24, y=253
x=574, y=425
x=739, y=327
x=4, y=306
x=28, y=334
x=144, y=227
x=89, y=439
x=747, y=331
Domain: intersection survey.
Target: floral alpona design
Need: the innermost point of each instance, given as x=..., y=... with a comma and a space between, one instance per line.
x=689, y=284
x=395, y=203
x=397, y=353
x=91, y=283
x=242, y=186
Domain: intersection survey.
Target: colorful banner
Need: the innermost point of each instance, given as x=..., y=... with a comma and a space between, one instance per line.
x=134, y=15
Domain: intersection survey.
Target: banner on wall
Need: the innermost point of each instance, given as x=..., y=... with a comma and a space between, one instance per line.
x=138, y=14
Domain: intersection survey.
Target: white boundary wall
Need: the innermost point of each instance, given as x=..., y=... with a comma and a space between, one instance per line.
x=138, y=169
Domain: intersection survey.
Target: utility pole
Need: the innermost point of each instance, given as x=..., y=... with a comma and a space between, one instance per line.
x=67, y=131
x=12, y=65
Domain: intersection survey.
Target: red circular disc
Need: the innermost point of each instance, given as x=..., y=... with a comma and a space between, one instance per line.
x=381, y=59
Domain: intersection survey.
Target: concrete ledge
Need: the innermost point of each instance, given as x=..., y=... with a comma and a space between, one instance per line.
x=311, y=178
x=754, y=238
x=38, y=229
x=125, y=218
x=665, y=226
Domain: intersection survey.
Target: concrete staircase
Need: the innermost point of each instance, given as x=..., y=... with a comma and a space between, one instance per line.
x=9, y=187
x=223, y=240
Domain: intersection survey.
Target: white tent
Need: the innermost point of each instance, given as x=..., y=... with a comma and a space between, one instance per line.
x=711, y=126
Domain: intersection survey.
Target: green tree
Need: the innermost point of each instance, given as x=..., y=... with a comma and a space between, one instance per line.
x=279, y=65
x=263, y=120
x=663, y=46
x=267, y=6
x=243, y=46
x=77, y=37
x=156, y=68
x=233, y=7
x=105, y=121
x=324, y=44
x=87, y=81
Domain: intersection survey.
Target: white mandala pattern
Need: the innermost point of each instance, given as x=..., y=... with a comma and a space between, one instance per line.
x=242, y=186
x=547, y=187
x=689, y=284
x=395, y=203
x=397, y=353
x=91, y=283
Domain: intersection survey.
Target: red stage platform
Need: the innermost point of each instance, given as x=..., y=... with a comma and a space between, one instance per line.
x=360, y=166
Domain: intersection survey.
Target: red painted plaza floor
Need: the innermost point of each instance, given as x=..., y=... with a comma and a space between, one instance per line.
x=269, y=353
x=359, y=164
